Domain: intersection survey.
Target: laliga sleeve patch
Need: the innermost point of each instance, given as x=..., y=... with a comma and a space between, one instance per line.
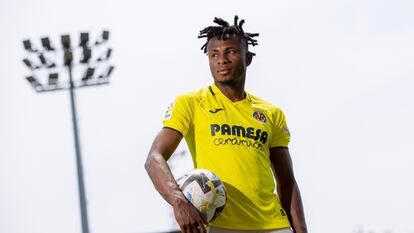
x=168, y=112
x=286, y=129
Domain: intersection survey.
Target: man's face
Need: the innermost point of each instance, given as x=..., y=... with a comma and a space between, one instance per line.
x=228, y=59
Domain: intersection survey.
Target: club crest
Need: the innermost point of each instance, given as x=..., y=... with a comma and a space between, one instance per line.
x=260, y=116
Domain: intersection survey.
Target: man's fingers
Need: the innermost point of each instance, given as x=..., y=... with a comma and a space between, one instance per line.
x=205, y=222
x=202, y=228
x=188, y=229
x=196, y=228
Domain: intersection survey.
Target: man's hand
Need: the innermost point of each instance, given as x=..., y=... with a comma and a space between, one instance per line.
x=188, y=217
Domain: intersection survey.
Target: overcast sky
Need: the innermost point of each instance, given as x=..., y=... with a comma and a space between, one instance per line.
x=342, y=71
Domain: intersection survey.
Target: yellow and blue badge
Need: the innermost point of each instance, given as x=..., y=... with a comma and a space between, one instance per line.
x=168, y=112
x=260, y=116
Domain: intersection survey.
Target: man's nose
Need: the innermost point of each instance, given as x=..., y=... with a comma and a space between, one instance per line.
x=222, y=59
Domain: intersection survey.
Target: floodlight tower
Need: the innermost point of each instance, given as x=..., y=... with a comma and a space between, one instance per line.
x=40, y=60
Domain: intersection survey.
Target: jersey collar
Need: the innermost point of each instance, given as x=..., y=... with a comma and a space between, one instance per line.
x=215, y=91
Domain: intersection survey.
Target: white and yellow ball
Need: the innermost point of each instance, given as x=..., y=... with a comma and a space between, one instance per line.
x=204, y=190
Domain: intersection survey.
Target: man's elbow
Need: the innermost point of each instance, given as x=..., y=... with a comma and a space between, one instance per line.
x=149, y=162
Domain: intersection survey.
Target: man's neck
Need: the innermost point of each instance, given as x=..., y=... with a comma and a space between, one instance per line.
x=234, y=91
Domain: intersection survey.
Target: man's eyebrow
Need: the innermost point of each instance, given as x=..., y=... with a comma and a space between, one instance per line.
x=216, y=49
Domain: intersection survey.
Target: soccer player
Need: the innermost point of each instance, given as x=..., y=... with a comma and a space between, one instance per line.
x=238, y=136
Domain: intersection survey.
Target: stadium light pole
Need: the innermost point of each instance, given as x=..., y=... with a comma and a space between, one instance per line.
x=53, y=84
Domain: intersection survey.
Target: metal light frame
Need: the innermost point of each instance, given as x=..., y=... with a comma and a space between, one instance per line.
x=54, y=84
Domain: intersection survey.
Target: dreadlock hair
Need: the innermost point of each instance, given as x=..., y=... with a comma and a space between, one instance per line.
x=224, y=31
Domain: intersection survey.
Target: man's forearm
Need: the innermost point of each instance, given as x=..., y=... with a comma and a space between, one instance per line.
x=296, y=211
x=163, y=180
x=292, y=202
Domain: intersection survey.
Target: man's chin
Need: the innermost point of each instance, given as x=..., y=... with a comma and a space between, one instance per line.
x=224, y=80
x=227, y=82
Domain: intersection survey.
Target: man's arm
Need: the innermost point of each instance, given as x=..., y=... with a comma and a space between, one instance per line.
x=158, y=170
x=288, y=189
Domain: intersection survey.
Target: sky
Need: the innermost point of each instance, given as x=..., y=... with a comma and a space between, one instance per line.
x=341, y=70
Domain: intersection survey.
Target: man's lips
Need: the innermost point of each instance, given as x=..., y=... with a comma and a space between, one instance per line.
x=224, y=71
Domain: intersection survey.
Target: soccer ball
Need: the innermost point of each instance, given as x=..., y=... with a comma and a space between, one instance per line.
x=205, y=191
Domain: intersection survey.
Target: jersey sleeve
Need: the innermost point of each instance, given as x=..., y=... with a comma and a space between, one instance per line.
x=280, y=130
x=178, y=115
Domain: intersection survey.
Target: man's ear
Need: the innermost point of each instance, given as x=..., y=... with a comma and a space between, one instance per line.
x=249, y=58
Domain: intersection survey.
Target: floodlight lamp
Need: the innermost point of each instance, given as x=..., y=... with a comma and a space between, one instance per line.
x=27, y=45
x=34, y=82
x=53, y=79
x=103, y=38
x=68, y=57
x=87, y=54
x=107, y=73
x=28, y=63
x=31, y=79
x=46, y=44
x=42, y=59
x=105, y=35
x=108, y=53
x=105, y=56
x=110, y=69
x=65, y=40
x=84, y=39
x=88, y=74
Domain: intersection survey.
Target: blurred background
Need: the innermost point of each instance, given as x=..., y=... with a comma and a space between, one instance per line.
x=342, y=71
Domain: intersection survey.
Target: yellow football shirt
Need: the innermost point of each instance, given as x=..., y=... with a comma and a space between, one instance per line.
x=233, y=140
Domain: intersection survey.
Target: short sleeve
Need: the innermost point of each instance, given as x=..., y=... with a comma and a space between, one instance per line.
x=178, y=115
x=280, y=130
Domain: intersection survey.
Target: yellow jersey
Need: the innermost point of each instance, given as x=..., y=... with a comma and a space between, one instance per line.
x=233, y=140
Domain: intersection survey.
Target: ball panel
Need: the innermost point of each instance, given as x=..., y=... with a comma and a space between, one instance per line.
x=205, y=191
x=217, y=212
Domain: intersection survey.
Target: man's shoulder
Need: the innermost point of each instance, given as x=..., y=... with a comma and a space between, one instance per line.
x=195, y=95
x=260, y=103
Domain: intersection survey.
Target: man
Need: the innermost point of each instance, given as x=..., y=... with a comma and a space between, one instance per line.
x=236, y=135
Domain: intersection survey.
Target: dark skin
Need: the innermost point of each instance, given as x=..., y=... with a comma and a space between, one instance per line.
x=287, y=188
x=186, y=215
x=228, y=61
